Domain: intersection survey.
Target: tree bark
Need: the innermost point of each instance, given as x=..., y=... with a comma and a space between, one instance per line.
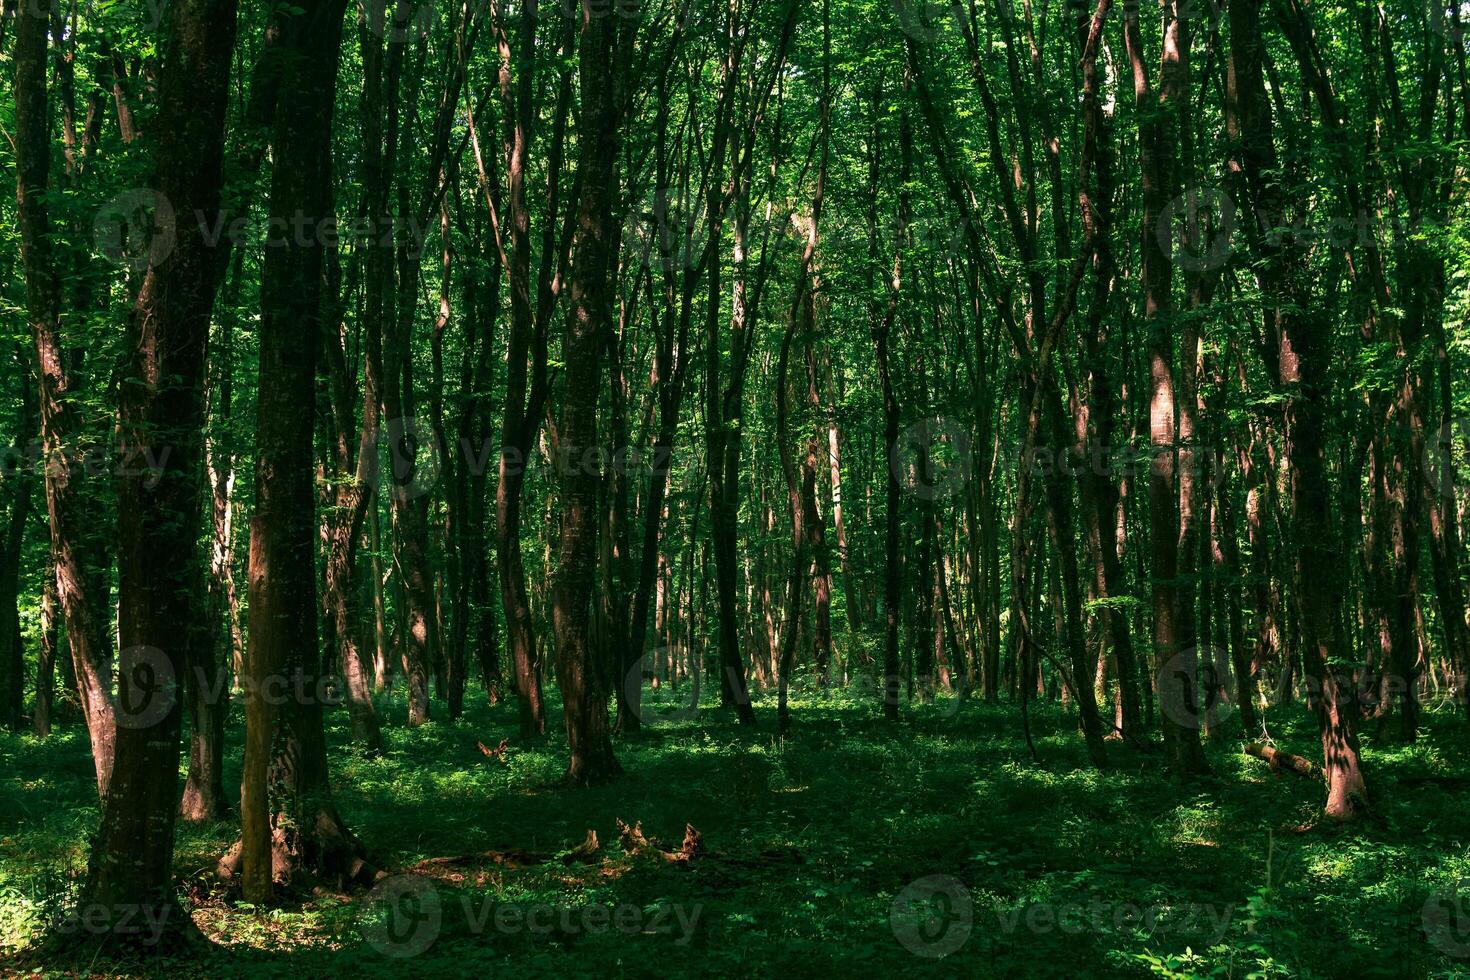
x=76, y=537
x=161, y=603
x=15, y=489
x=892, y=414
x=1301, y=362
x=288, y=823
x=604, y=48
x=1174, y=666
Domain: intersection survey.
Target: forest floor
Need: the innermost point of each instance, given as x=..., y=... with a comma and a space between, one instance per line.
x=936, y=847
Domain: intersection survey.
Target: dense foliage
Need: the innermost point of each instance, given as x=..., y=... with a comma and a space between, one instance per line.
x=1006, y=429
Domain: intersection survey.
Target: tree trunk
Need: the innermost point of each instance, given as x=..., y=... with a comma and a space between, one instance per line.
x=1301, y=365
x=892, y=414
x=604, y=47
x=15, y=488
x=350, y=494
x=288, y=823
x=207, y=685
x=77, y=545
x=1174, y=666
x=161, y=603
x=725, y=406
x=43, y=713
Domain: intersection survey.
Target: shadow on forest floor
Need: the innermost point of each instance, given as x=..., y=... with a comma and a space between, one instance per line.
x=932, y=847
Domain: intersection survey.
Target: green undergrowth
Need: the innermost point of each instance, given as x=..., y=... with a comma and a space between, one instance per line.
x=933, y=847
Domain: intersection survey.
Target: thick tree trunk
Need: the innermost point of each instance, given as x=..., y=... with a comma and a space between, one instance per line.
x=289, y=825
x=604, y=48
x=161, y=603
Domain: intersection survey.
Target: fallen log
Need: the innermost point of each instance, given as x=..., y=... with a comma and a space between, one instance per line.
x=634, y=841
x=506, y=859
x=495, y=753
x=1279, y=760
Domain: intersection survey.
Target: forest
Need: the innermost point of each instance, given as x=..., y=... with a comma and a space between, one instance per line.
x=714, y=487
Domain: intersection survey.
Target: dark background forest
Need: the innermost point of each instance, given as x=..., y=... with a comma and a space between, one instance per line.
x=669, y=487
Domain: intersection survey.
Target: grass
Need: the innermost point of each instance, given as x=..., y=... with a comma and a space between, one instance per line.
x=849, y=847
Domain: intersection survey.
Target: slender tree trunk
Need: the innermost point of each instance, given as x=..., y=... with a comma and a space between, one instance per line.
x=76, y=537
x=475, y=441
x=1099, y=489
x=525, y=392
x=892, y=415
x=15, y=489
x=207, y=685
x=813, y=525
x=725, y=406
x=350, y=495
x=1174, y=666
x=44, y=712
